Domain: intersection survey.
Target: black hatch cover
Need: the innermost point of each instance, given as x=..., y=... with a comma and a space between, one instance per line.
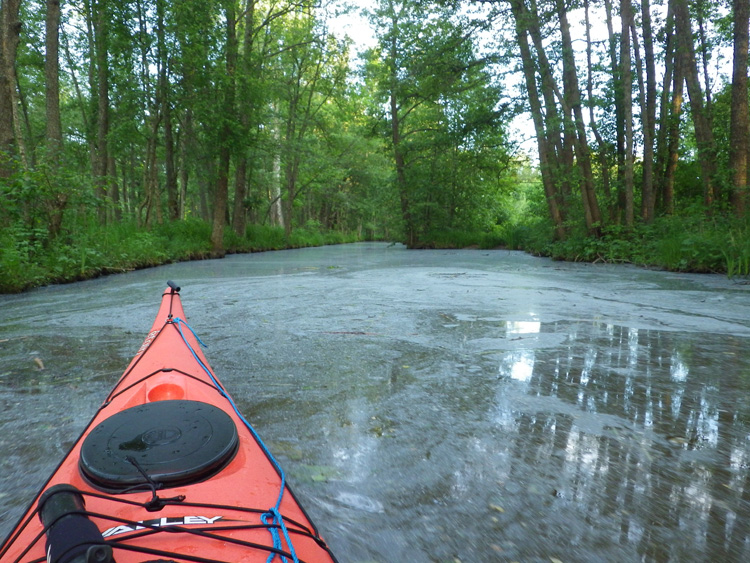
x=174, y=442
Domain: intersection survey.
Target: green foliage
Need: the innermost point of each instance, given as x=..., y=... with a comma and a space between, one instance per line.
x=319, y=140
x=736, y=252
x=265, y=237
x=94, y=250
x=443, y=129
x=692, y=243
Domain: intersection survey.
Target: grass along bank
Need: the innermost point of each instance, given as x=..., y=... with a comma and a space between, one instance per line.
x=27, y=260
x=692, y=243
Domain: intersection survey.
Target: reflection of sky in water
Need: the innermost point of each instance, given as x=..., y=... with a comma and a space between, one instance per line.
x=522, y=327
x=678, y=370
x=519, y=365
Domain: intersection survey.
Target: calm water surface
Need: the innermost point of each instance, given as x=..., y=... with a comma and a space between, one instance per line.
x=433, y=406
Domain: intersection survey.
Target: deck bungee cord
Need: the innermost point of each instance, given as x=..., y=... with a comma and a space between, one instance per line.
x=278, y=520
x=144, y=528
x=168, y=469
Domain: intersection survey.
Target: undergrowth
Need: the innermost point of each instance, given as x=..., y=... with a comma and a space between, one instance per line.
x=693, y=243
x=30, y=260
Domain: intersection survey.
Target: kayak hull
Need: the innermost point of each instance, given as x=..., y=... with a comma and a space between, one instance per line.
x=170, y=470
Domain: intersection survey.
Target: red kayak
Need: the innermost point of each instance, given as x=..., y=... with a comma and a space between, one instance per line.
x=167, y=470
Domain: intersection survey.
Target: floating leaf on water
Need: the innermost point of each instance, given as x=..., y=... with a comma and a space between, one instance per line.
x=319, y=473
x=286, y=448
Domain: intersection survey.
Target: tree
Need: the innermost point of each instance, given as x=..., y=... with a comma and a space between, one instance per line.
x=739, y=137
x=100, y=84
x=648, y=111
x=58, y=199
x=626, y=75
x=314, y=67
x=572, y=104
x=11, y=141
x=701, y=118
x=226, y=137
x=429, y=78
x=52, y=79
x=547, y=156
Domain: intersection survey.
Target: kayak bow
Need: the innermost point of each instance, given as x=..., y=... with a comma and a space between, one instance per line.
x=167, y=470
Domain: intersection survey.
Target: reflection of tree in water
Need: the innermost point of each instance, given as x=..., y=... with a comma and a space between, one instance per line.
x=657, y=441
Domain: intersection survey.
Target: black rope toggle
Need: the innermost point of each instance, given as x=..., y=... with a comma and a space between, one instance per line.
x=156, y=503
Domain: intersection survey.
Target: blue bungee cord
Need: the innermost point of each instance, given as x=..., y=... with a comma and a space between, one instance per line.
x=277, y=519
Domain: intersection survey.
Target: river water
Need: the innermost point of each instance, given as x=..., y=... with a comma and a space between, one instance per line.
x=433, y=406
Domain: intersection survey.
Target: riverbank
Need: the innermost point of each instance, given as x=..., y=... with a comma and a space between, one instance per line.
x=125, y=247
x=696, y=244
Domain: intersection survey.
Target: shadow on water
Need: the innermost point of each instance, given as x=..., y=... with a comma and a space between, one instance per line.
x=422, y=412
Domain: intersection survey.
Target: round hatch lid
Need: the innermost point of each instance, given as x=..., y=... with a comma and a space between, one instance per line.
x=173, y=442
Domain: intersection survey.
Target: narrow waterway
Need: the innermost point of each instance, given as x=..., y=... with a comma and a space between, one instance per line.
x=433, y=406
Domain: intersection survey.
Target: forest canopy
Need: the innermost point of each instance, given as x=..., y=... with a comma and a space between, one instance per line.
x=138, y=131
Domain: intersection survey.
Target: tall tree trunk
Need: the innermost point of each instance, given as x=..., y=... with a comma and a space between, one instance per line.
x=291, y=176
x=52, y=82
x=10, y=28
x=101, y=161
x=546, y=159
x=245, y=109
x=573, y=101
x=673, y=135
x=152, y=201
x=618, y=206
x=411, y=235
x=559, y=143
x=11, y=139
x=701, y=121
x=221, y=196
x=398, y=156
x=149, y=210
x=114, y=189
x=648, y=119
x=662, y=138
x=93, y=103
x=277, y=209
x=186, y=139
x=626, y=16
x=239, y=214
x=739, y=127
x=705, y=56
x=59, y=198
x=166, y=116
x=603, y=160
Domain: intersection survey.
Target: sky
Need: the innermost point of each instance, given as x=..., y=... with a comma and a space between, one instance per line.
x=354, y=24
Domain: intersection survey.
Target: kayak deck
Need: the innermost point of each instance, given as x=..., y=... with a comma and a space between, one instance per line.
x=169, y=468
